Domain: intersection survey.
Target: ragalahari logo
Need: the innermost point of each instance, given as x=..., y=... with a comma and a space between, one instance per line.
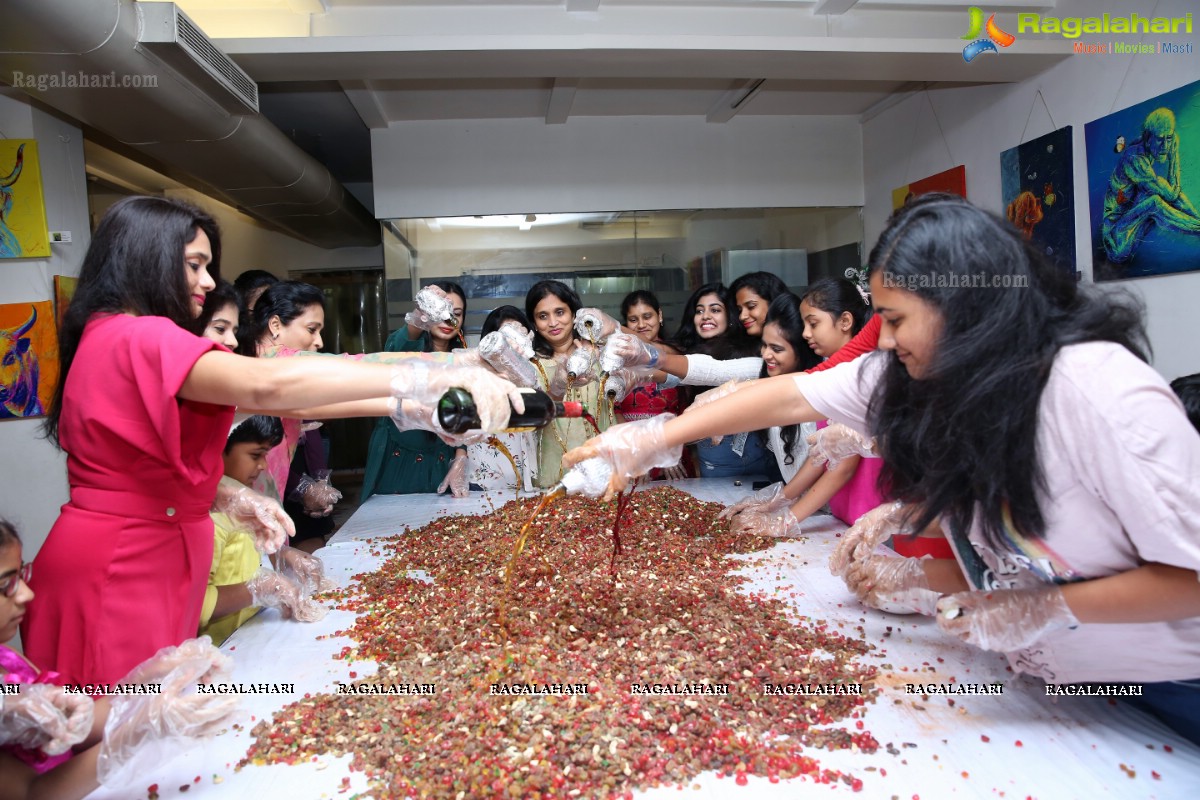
x=995, y=36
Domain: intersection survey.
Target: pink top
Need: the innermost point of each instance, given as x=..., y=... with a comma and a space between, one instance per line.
x=124, y=569
x=858, y=495
x=1120, y=460
x=16, y=669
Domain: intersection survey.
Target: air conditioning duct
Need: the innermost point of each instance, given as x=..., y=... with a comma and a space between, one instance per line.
x=196, y=124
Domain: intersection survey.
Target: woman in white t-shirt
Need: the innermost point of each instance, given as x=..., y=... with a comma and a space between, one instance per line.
x=1017, y=407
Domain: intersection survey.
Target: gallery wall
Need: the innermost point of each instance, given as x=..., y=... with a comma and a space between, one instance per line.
x=931, y=131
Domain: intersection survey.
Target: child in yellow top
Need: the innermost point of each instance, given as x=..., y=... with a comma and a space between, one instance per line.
x=238, y=583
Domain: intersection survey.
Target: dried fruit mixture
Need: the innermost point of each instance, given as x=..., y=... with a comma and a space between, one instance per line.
x=671, y=614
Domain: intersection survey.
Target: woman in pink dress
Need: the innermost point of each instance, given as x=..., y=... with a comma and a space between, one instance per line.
x=142, y=411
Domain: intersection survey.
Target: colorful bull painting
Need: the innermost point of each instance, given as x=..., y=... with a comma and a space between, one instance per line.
x=22, y=206
x=28, y=359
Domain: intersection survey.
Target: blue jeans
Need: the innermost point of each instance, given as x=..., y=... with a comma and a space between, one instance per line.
x=720, y=461
x=1175, y=703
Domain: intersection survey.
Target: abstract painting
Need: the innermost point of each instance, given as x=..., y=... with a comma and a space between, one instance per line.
x=953, y=181
x=22, y=205
x=1143, y=167
x=28, y=359
x=1039, y=196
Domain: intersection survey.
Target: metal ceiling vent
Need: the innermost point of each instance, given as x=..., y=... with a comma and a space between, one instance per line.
x=171, y=37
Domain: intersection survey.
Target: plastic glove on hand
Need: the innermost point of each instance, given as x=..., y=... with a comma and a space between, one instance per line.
x=498, y=353
x=144, y=731
x=871, y=529
x=42, y=716
x=834, y=444
x=413, y=379
x=627, y=350
x=581, y=366
x=631, y=449
x=262, y=516
x=593, y=325
x=434, y=308
x=409, y=415
x=456, y=477
x=305, y=569
x=778, y=522
x=317, y=494
x=1005, y=619
x=519, y=338
x=767, y=499
x=271, y=589
x=895, y=585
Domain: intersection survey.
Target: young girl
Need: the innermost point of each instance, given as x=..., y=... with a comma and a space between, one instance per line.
x=238, y=585
x=222, y=315
x=142, y=410
x=784, y=351
x=411, y=462
x=41, y=724
x=829, y=315
x=551, y=307
x=489, y=468
x=1016, y=405
x=643, y=315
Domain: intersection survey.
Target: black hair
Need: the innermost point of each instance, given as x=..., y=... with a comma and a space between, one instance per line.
x=766, y=285
x=784, y=313
x=253, y=279
x=962, y=439
x=727, y=344
x=135, y=265
x=8, y=533
x=539, y=292
x=258, y=429
x=1188, y=389
x=286, y=300
x=224, y=295
x=648, y=298
x=501, y=315
x=837, y=296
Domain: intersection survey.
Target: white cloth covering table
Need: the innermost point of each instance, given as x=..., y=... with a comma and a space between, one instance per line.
x=1069, y=747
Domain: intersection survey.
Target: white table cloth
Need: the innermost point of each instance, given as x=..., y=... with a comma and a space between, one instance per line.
x=1069, y=747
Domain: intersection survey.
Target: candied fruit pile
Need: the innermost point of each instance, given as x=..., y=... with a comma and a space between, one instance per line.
x=509, y=717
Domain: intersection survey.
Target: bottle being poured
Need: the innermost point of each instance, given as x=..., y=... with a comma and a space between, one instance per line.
x=457, y=414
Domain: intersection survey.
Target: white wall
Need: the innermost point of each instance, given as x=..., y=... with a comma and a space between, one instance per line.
x=499, y=166
x=906, y=142
x=34, y=485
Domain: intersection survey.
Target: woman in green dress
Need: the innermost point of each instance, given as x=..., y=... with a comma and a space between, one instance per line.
x=411, y=462
x=551, y=306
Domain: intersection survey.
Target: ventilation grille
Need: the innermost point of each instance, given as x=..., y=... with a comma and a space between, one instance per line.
x=171, y=35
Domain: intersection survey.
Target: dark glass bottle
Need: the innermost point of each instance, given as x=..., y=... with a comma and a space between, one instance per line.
x=457, y=414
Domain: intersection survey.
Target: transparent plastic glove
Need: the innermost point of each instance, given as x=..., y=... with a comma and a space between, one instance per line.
x=306, y=570
x=418, y=380
x=871, y=529
x=620, y=382
x=456, y=477
x=409, y=415
x=589, y=478
x=1005, y=619
x=712, y=395
x=767, y=499
x=145, y=731
x=468, y=357
x=780, y=523
x=262, y=516
x=895, y=585
x=316, y=494
x=433, y=308
x=271, y=589
x=519, y=338
x=44, y=717
x=497, y=351
x=581, y=366
x=627, y=350
x=191, y=652
x=834, y=444
x=593, y=325
x=631, y=449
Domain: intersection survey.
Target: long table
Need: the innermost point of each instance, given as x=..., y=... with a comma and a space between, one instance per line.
x=1016, y=744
